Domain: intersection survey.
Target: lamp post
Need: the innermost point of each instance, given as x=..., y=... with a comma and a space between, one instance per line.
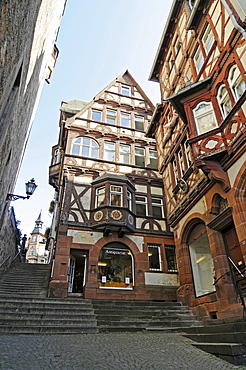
x=30, y=188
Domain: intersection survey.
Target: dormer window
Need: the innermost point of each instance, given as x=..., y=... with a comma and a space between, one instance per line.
x=204, y=117
x=125, y=90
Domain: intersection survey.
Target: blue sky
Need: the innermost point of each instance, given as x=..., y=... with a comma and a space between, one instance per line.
x=98, y=40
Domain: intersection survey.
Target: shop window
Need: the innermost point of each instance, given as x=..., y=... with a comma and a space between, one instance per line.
x=201, y=261
x=153, y=159
x=171, y=258
x=111, y=117
x=115, y=195
x=236, y=82
x=224, y=101
x=100, y=196
x=157, y=207
x=109, y=151
x=125, y=120
x=154, y=257
x=125, y=90
x=85, y=147
x=125, y=154
x=139, y=123
x=139, y=157
x=96, y=115
x=204, y=117
x=141, y=205
x=115, y=267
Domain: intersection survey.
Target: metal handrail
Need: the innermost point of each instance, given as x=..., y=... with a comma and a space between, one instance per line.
x=7, y=258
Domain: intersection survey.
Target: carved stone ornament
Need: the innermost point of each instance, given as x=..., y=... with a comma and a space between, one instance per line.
x=116, y=214
x=130, y=219
x=182, y=184
x=98, y=216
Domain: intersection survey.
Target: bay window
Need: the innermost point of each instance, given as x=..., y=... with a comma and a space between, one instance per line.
x=204, y=117
x=116, y=195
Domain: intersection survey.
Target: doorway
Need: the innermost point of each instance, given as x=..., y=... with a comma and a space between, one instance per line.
x=77, y=271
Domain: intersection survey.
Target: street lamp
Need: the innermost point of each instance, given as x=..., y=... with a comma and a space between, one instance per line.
x=30, y=188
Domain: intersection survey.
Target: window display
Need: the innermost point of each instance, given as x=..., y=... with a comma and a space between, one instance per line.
x=115, y=267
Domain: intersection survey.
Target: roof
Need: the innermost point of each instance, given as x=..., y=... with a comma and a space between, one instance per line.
x=73, y=106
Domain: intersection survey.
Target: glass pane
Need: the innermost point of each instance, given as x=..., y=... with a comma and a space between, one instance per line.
x=141, y=210
x=116, y=200
x=157, y=211
x=125, y=90
x=139, y=123
x=139, y=161
x=96, y=115
x=202, y=265
x=154, y=260
x=171, y=258
x=115, y=267
x=86, y=141
x=108, y=146
x=116, y=189
x=94, y=153
x=125, y=120
x=85, y=151
x=154, y=163
x=75, y=149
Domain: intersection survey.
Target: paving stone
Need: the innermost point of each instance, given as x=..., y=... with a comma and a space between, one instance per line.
x=105, y=351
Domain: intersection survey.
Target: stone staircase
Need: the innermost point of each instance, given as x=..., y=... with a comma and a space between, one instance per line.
x=26, y=279
x=129, y=316
x=225, y=339
x=25, y=308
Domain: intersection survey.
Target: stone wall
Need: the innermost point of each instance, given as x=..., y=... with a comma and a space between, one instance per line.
x=28, y=32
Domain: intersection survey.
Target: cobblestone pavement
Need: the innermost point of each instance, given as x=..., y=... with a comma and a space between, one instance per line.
x=109, y=351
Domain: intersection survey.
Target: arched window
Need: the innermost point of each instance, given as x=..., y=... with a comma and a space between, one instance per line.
x=201, y=260
x=236, y=82
x=115, y=266
x=224, y=101
x=85, y=147
x=204, y=117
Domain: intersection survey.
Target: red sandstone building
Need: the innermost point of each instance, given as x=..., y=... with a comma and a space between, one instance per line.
x=200, y=132
x=112, y=238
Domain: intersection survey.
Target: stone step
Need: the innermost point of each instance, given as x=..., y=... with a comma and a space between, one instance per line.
x=85, y=315
x=230, y=352
x=135, y=316
x=47, y=322
x=224, y=328
x=146, y=304
x=145, y=323
x=227, y=337
x=64, y=329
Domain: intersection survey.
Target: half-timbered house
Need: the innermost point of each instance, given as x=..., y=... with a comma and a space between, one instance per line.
x=112, y=238
x=200, y=132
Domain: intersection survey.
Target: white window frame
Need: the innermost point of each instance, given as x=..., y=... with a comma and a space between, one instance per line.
x=153, y=156
x=199, y=59
x=141, y=202
x=120, y=193
x=139, y=120
x=125, y=118
x=98, y=194
x=208, y=39
x=81, y=143
x=138, y=155
x=96, y=111
x=236, y=81
x=124, y=89
x=224, y=100
x=125, y=155
x=204, y=115
x=129, y=199
x=157, y=202
x=108, y=151
x=111, y=115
